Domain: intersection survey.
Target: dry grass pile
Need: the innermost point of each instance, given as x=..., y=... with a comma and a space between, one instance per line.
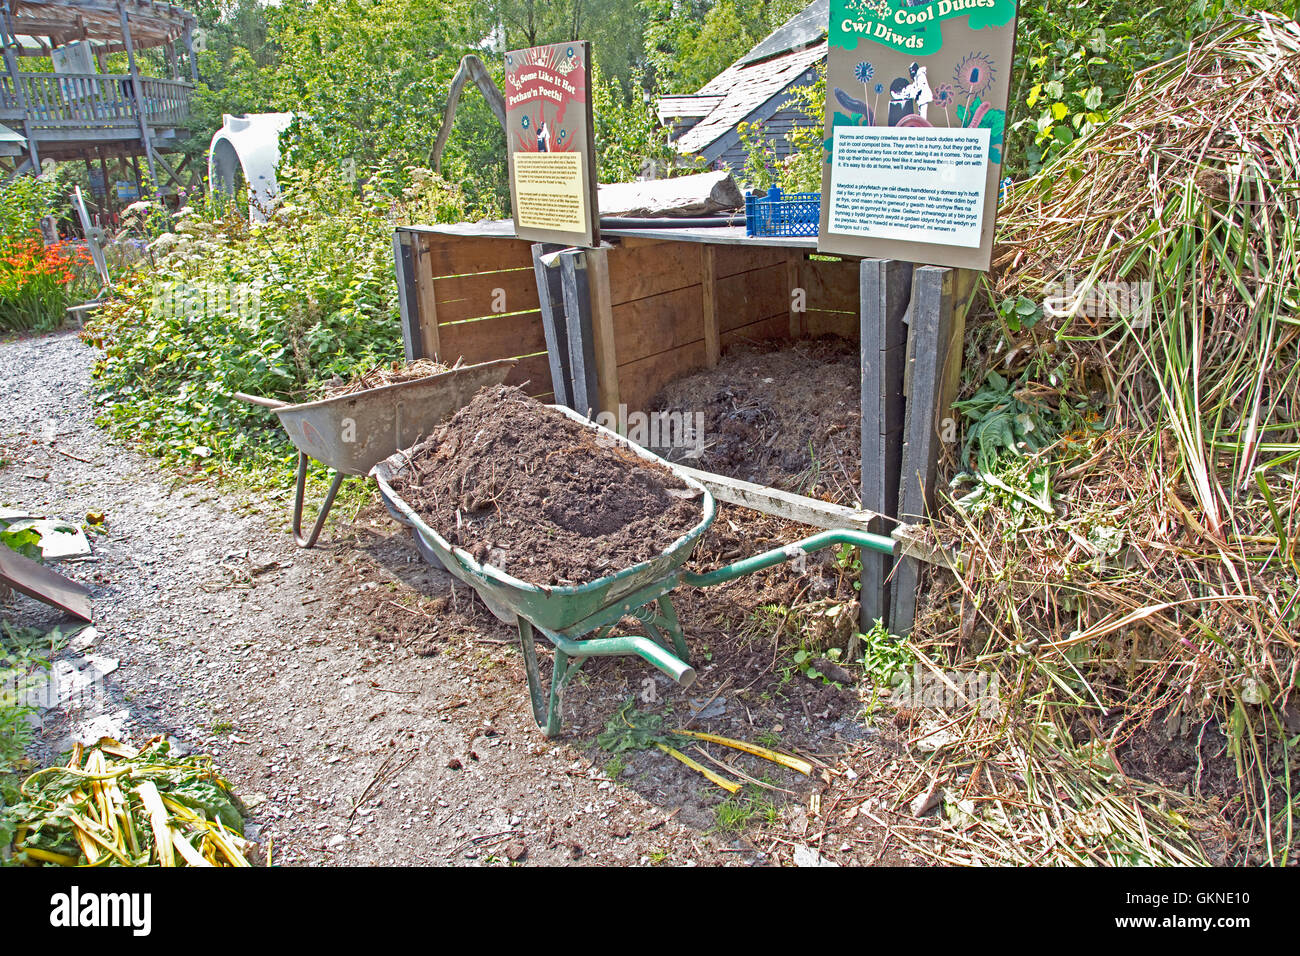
x=1128, y=497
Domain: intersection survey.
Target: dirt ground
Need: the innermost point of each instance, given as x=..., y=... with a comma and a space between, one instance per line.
x=370, y=713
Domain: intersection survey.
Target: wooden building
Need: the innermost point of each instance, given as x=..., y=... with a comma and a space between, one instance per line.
x=757, y=88
x=77, y=110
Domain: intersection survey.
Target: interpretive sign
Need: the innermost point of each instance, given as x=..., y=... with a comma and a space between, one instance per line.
x=551, y=144
x=915, y=122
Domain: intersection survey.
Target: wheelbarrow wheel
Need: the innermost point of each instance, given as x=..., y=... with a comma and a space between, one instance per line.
x=300, y=492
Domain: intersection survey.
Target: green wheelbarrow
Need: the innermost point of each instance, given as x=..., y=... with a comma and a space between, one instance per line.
x=578, y=620
x=352, y=433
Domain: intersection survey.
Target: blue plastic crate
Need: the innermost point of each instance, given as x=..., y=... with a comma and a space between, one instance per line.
x=779, y=214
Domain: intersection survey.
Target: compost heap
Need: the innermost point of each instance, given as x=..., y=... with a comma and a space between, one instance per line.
x=540, y=496
x=776, y=414
x=388, y=373
x=1127, y=499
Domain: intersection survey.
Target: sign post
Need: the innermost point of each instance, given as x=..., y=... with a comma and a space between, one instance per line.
x=915, y=128
x=551, y=140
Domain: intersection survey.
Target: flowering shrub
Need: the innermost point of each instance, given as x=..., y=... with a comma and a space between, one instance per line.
x=37, y=282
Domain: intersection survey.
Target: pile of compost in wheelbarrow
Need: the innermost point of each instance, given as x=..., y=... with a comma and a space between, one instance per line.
x=541, y=497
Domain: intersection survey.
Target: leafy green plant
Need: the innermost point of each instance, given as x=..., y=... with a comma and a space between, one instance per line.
x=885, y=657
x=801, y=169
x=804, y=661
x=26, y=541
x=24, y=654
x=1002, y=422
x=24, y=201
x=628, y=134
x=849, y=561
x=277, y=310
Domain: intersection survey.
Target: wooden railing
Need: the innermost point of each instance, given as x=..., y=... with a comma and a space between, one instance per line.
x=95, y=100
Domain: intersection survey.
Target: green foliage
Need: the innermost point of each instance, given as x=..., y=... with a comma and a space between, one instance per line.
x=885, y=657
x=1074, y=63
x=26, y=541
x=689, y=42
x=275, y=310
x=744, y=807
x=632, y=729
x=628, y=133
x=24, y=655
x=849, y=561
x=803, y=660
x=801, y=169
x=1003, y=423
x=24, y=201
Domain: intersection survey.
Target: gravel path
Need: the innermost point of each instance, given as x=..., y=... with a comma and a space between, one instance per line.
x=304, y=672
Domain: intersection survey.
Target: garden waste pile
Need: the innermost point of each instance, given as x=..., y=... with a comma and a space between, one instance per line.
x=389, y=373
x=113, y=805
x=1127, y=499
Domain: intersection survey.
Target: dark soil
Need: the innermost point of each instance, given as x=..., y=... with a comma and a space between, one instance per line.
x=780, y=415
x=541, y=497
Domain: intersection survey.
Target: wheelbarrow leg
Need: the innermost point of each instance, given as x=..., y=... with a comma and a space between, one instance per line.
x=529, y=650
x=669, y=614
x=666, y=620
x=298, y=495
x=546, y=706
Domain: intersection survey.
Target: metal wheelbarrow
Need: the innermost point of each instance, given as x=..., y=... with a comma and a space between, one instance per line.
x=577, y=620
x=352, y=433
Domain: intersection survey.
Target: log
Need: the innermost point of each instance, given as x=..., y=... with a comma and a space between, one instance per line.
x=703, y=194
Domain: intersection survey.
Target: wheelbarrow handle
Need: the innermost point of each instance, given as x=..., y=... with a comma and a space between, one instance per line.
x=818, y=542
x=259, y=400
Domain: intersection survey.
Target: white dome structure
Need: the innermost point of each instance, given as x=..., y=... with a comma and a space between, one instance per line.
x=248, y=145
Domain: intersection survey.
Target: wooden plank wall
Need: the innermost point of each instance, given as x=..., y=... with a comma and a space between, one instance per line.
x=674, y=306
x=476, y=300
x=833, y=297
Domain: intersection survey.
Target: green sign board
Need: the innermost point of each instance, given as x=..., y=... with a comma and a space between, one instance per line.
x=915, y=126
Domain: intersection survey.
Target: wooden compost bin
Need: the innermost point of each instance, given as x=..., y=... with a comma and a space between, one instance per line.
x=664, y=303
x=596, y=329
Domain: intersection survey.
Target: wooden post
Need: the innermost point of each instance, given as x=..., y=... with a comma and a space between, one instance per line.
x=885, y=291
x=929, y=339
x=709, y=304
x=189, y=52
x=602, y=331
x=138, y=94
x=103, y=168
x=550, y=293
x=11, y=66
x=577, y=314
x=407, y=295
x=430, y=338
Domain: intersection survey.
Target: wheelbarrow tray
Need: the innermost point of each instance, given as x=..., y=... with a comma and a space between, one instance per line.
x=556, y=608
x=353, y=433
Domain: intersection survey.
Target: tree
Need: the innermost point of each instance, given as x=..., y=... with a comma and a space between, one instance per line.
x=689, y=42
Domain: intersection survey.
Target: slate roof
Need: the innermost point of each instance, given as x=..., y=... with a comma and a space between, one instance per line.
x=742, y=88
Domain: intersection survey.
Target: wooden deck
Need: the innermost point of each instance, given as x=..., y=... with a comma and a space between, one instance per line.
x=91, y=107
